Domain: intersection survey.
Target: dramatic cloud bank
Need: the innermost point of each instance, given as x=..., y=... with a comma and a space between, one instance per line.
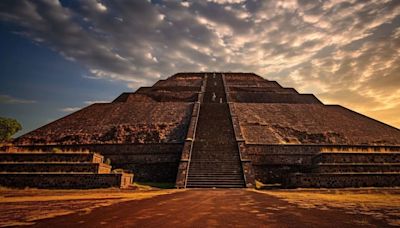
x=346, y=52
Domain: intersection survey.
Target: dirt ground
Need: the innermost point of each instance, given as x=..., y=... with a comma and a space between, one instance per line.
x=23, y=207
x=201, y=208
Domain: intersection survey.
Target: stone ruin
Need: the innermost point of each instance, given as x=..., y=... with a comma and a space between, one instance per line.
x=228, y=129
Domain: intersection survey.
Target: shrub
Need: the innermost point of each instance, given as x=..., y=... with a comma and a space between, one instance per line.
x=8, y=127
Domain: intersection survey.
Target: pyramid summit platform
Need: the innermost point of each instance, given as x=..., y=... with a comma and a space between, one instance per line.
x=214, y=129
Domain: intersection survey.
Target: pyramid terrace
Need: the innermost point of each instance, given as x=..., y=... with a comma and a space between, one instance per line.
x=211, y=129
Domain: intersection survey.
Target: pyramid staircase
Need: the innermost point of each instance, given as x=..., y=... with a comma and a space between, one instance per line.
x=338, y=169
x=215, y=160
x=63, y=170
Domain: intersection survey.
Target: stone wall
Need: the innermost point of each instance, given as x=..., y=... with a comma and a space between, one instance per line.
x=149, y=162
x=273, y=97
x=261, y=89
x=46, y=156
x=272, y=163
x=55, y=167
x=276, y=163
x=342, y=180
x=65, y=181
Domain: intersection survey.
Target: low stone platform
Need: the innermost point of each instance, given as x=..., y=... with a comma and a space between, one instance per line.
x=343, y=180
x=66, y=180
x=83, y=167
x=349, y=169
x=62, y=170
x=50, y=157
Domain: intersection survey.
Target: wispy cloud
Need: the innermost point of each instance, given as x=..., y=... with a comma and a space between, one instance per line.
x=70, y=109
x=327, y=47
x=93, y=102
x=7, y=99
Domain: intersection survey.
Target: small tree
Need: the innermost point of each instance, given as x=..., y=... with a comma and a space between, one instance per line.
x=8, y=127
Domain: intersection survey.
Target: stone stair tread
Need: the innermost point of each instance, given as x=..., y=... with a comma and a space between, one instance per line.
x=215, y=157
x=44, y=152
x=358, y=164
x=213, y=181
x=351, y=173
x=52, y=173
x=214, y=186
x=214, y=161
x=360, y=152
x=51, y=163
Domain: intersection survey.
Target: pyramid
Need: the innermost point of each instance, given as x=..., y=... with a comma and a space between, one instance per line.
x=214, y=129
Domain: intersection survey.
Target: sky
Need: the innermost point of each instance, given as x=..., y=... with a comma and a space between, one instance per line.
x=59, y=56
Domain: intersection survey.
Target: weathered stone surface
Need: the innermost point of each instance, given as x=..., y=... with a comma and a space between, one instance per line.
x=311, y=124
x=116, y=123
x=341, y=180
x=277, y=131
x=68, y=170
x=65, y=181
x=273, y=97
x=149, y=162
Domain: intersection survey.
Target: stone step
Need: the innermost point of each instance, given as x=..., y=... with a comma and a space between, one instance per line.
x=215, y=160
x=215, y=172
x=215, y=175
x=65, y=180
x=214, y=178
x=215, y=181
x=227, y=153
x=342, y=180
x=214, y=186
x=213, y=169
x=80, y=167
x=357, y=157
x=221, y=152
x=211, y=150
x=356, y=167
x=215, y=147
x=50, y=157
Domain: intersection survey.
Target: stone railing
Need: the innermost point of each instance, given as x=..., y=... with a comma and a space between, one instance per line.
x=184, y=164
x=246, y=163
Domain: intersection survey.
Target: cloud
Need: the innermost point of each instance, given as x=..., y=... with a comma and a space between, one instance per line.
x=70, y=109
x=331, y=48
x=93, y=102
x=7, y=99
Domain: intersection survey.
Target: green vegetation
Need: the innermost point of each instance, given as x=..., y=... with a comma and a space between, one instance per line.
x=8, y=127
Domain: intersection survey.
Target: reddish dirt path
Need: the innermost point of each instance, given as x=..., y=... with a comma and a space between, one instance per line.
x=211, y=208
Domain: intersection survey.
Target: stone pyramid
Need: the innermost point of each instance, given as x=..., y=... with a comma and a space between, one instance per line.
x=214, y=129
